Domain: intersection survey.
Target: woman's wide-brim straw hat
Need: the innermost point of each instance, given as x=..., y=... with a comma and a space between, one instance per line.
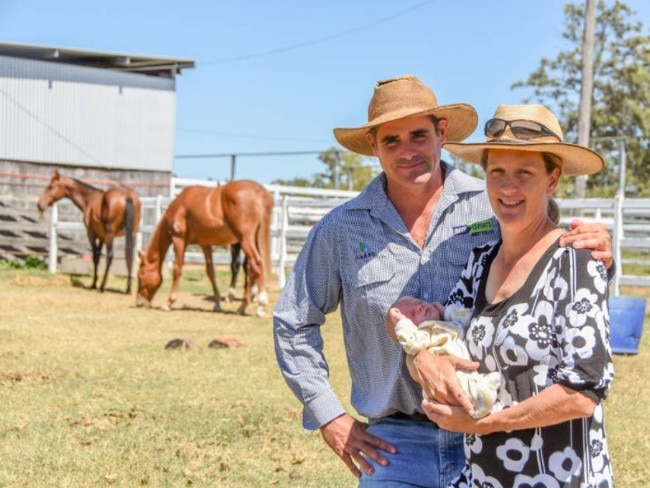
x=576, y=160
x=399, y=98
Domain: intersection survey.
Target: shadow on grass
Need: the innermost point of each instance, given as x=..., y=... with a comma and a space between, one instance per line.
x=76, y=282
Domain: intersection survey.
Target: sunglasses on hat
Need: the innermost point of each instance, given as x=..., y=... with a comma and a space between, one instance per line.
x=521, y=129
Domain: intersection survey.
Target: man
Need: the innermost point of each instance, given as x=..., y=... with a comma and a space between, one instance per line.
x=410, y=232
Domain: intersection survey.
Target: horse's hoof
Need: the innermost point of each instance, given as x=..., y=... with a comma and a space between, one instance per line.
x=217, y=308
x=165, y=308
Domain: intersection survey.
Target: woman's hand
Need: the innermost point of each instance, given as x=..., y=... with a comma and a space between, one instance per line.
x=437, y=376
x=590, y=236
x=449, y=417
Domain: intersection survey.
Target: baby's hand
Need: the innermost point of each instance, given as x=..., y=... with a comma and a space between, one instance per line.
x=394, y=315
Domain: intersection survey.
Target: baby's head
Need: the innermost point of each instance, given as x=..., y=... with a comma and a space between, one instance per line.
x=417, y=310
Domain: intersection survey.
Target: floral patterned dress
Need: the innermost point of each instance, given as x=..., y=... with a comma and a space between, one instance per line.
x=554, y=329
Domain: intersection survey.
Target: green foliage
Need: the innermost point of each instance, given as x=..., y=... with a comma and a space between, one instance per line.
x=30, y=262
x=301, y=182
x=471, y=169
x=354, y=172
x=621, y=98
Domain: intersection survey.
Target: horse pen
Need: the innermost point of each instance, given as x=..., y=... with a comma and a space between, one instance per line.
x=91, y=397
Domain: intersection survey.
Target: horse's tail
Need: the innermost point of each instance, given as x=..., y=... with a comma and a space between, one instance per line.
x=264, y=235
x=129, y=226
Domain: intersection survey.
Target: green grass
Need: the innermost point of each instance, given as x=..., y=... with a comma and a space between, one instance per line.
x=90, y=397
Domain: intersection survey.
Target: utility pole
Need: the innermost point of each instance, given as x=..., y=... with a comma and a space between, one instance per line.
x=587, y=88
x=337, y=169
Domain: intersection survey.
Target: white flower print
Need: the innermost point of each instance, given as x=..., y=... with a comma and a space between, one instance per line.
x=479, y=335
x=474, y=442
x=541, y=378
x=540, y=333
x=582, y=308
x=581, y=341
x=480, y=479
x=565, y=464
x=545, y=480
x=598, y=445
x=598, y=271
x=511, y=353
x=552, y=330
x=513, y=316
x=558, y=291
x=602, y=479
x=544, y=308
x=514, y=454
x=537, y=442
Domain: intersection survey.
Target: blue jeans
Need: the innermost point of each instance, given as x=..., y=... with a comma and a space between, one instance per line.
x=427, y=457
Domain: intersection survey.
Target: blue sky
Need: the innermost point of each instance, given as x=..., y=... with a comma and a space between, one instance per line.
x=279, y=75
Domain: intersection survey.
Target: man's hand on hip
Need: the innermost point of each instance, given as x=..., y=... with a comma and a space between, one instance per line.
x=348, y=438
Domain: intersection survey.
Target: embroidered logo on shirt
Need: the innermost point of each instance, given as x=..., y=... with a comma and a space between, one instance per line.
x=365, y=251
x=482, y=227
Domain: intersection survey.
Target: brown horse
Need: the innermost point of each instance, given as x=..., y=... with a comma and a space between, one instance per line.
x=239, y=211
x=106, y=215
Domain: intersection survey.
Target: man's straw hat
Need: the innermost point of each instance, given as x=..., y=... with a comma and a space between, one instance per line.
x=399, y=98
x=576, y=160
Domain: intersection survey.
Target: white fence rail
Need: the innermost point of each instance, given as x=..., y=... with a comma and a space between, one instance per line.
x=298, y=209
x=295, y=211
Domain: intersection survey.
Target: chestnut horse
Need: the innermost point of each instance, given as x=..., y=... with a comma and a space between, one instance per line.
x=239, y=211
x=106, y=215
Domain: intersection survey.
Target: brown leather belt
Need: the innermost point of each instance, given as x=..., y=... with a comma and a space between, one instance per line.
x=417, y=416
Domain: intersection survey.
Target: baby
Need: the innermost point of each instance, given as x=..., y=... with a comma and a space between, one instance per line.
x=442, y=338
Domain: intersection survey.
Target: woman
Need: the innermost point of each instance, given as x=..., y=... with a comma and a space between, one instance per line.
x=536, y=313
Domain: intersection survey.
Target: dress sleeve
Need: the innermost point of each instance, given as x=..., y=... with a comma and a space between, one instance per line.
x=583, y=325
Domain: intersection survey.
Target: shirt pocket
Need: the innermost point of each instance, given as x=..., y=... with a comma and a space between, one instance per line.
x=373, y=278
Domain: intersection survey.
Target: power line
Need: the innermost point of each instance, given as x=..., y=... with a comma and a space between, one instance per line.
x=229, y=155
x=319, y=40
x=250, y=136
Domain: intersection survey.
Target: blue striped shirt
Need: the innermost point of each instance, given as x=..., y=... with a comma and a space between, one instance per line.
x=361, y=257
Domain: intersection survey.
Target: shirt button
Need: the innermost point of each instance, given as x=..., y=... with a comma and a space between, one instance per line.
x=427, y=296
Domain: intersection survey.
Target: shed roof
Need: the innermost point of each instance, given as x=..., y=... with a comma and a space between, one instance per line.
x=149, y=65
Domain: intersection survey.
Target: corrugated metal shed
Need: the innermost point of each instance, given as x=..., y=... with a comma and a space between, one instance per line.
x=84, y=108
x=158, y=66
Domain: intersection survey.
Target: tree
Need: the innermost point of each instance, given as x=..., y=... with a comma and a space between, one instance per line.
x=297, y=181
x=471, y=169
x=586, y=87
x=353, y=171
x=621, y=93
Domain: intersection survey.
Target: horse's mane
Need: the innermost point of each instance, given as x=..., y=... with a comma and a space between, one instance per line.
x=159, y=242
x=86, y=185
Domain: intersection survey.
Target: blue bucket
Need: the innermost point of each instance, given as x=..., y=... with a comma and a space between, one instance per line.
x=626, y=316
